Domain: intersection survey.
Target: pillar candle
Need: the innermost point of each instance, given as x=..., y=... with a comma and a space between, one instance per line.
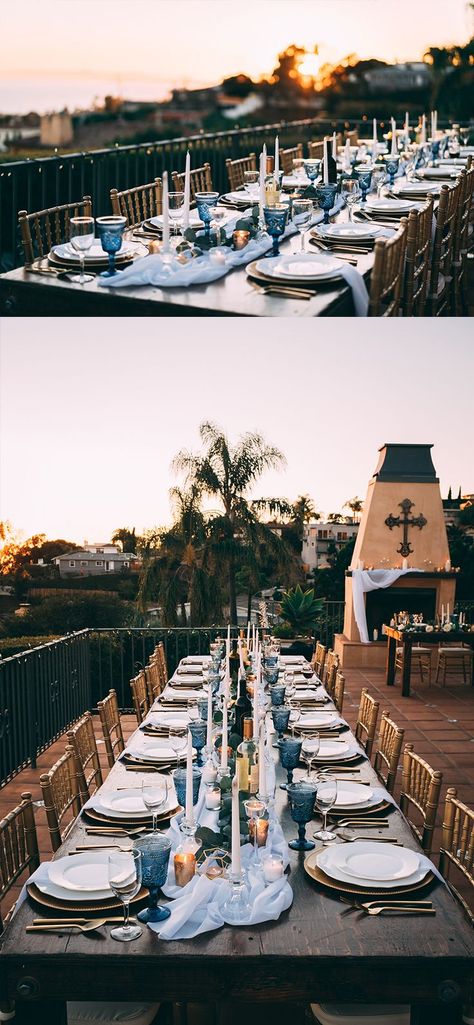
x=262, y=775
x=225, y=741
x=166, y=213
x=325, y=163
x=235, y=846
x=447, y=566
x=334, y=145
x=189, y=780
x=277, y=157
x=394, y=150
x=187, y=190
x=405, y=564
x=209, y=718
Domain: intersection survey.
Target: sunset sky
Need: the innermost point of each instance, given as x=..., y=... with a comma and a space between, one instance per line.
x=93, y=412
x=179, y=41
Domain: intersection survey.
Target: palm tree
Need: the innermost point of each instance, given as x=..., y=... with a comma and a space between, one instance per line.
x=302, y=511
x=127, y=538
x=227, y=473
x=355, y=505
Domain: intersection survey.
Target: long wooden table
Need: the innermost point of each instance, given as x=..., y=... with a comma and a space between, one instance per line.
x=407, y=639
x=310, y=954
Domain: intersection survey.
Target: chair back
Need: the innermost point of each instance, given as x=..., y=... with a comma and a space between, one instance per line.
x=46, y=228
x=353, y=137
x=457, y=845
x=236, y=170
x=332, y=665
x=82, y=740
x=389, y=749
x=61, y=797
x=141, y=702
x=421, y=786
x=386, y=280
x=318, y=659
x=316, y=150
x=338, y=693
x=138, y=204
x=161, y=656
x=200, y=180
x=287, y=156
x=464, y=211
x=367, y=721
x=154, y=680
x=418, y=255
x=443, y=250
x=111, y=726
x=18, y=848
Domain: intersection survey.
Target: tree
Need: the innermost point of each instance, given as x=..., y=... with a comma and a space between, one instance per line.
x=461, y=550
x=63, y=615
x=127, y=538
x=334, y=517
x=14, y=552
x=355, y=505
x=227, y=473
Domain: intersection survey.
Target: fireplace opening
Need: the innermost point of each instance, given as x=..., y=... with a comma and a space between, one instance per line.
x=382, y=605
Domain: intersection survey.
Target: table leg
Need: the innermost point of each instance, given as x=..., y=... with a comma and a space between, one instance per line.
x=41, y=1012
x=406, y=668
x=391, y=652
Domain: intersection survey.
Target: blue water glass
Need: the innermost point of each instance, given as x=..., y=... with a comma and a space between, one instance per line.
x=312, y=168
x=198, y=731
x=205, y=202
x=290, y=751
x=281, y=718
x=111, y=231
x=326, y=196
x=214, y=678
x=179, y=779
x=275, y=220
x=435, y=146
x=155, y=851
x=271, y=674
x=364, y=176
x=392, y=164
x=277, y=694
x=301, y=797
x=202, y=707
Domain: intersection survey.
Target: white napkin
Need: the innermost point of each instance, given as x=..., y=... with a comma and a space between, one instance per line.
x=360, y=295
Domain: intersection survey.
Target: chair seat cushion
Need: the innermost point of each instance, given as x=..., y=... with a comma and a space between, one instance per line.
x=359, y=1014
x=85, y=1012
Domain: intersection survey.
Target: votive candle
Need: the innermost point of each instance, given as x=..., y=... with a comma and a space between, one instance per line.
x=272, y=868
x=184, y=867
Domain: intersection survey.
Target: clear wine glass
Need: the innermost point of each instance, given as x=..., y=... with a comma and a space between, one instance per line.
x=251, y=183
x=155, y=797
x=310, y=750
x=295, y=715
x=301, y=214
x=176, y=211
x=350, y=192
x=178, y=738
x=193, y=709
x=125, y=879
x=378, y=179
x=219, y=215
x=82, y=234
x=326, y=795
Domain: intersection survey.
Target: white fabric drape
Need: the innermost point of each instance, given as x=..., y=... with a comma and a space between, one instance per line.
x=364, y=580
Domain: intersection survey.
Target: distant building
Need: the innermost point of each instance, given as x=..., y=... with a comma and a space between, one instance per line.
x=56, y=129
x=396, y=78
x=96, y=563
x=452, y=509
x=318, y=536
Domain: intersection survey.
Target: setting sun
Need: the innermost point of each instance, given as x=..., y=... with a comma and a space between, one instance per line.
x=309, y=66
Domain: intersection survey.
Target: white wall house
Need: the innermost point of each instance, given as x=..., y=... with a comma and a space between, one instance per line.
x=317, y=537
x=85, y=563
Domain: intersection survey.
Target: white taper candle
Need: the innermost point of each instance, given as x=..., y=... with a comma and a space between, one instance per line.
x=189, y=780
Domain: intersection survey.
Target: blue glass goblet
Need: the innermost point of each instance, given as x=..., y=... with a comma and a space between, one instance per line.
x=392, y=164
x=155, y=851
x=198, y=731
x=111, y=231
x=435, y=147
x=281, y=718
x=277, y=694
x=275, y=220
x=364, y=176
x=202, y=706
x=271, y=674
x=301, y=798
x=179, y=778
x=290, y=751
x=205, y=202
x=326, y=195
x=312, y=168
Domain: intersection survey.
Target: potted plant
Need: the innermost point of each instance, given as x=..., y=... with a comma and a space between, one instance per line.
x=299, y=611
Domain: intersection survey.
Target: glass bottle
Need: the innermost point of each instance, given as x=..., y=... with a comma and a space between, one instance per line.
x=242, y=707
x=246, y=760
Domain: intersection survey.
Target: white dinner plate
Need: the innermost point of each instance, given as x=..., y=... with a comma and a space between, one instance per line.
x=291, y=660
x=332, y=860
x=82, y=873
x=390, y=206
x=336, y=750
x=387, y=862
x=178, y=694
x=152, y=750
x=302, y=265
x=186, y=680
x=95, y=253
x=191, y=660
x=194, y=220
x=437, y=172
x=416, y=189
x=241, y=198
x=313, y=694
x=166, y=719
x=350, y=794
x=314, y=720
x=349, y=232
x=123, y=803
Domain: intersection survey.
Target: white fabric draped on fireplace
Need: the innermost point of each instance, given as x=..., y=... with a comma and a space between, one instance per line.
x=364, y=580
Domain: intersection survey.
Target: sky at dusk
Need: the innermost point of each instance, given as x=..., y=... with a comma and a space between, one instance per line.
x=92, y=412
x=146, y=47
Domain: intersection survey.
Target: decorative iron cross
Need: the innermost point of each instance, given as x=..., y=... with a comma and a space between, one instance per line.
x=405, y=521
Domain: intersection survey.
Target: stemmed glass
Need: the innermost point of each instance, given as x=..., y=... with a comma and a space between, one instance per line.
x=176, y=211
x=251, y=180
x=290, y=751
x=193, y=709
x=326, y=196
x=82, y=235
x=178, y=738
x=392, y=164
x=298, y=168
x=301, y=801
x=155, y=797
x=350, y=192
x=295, y=715
x=312, y=168
x=219, y=215
x=198, y=731
x=275, y=221
x=326, y=795
x=310, y=750
x=125, y=880
x=364, y=177
x=155, y=855
x=378, y=179
x=111, y=230
x=302, y=212
x=281, y=718
x=205, y=202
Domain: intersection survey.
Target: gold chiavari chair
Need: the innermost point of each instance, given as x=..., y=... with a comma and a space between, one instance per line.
x=82, y=740
x=46, y=228
x=386, y=282
x=419, y=234
x=160, y=651
x=455, y=661
x=331, y=660
x=421, y=787
x=421, y=661
x=318, y=659
x=331, y=673
x=140, y=697
x=138, y=204
x=439, y=288
x=367, y=721
x=389, y=749
x=457, y=846
x=353, y=137
x=154, y=680
x=62, y=802
x=200, y=180
x=237, y=168
x=18, y=848
x=316, y=150
x=338, y=693
x=111, y=726
x=287, y=156
x=461, y=244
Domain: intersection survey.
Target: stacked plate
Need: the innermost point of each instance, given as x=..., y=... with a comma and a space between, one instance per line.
x=416, y=189
x=157, y=222
x=241, y=200
x=320, y=721
x=369, y=867
x=312, y=696
x=437, y=172
x=160, y=722
x=338, y=751
x=125, y=808
x=66, y=256
x=156, y=751
x=299, y=269
x=187, y=679
x=192, y=660
x=78, y=882
x=387, y=207
x=178, y=695
x=347, y=232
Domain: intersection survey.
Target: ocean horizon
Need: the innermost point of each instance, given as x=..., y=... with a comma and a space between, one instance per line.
x=42, y=93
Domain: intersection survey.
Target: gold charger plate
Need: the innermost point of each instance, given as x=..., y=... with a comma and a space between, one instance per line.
x=309, y=283
x=55, y=904
x=145, y=820
x=357, y=812
x=337, y=886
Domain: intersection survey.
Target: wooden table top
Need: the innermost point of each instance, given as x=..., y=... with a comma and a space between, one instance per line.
x=310, y=953
x=433, y=637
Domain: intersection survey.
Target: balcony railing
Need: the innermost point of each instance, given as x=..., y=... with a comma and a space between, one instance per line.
x=42, y=182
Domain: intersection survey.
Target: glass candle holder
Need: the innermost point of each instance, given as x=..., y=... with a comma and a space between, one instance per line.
x=205, y=202
x=254, y=810
x=301, y=797
x=326, y=195
x=198, y=731
x=111, y=231
x=212, y=796
x=155, y=855
x=312, y=168
x=236, y=909
x=272, y=865
x=275, y=221
x=258, y=831
x=281, y=718
x=240, y=239
x=290, y=752
x=277, y=694
x=179, y=779
x=184, y=862
x=392, y=164
x=364, y=176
